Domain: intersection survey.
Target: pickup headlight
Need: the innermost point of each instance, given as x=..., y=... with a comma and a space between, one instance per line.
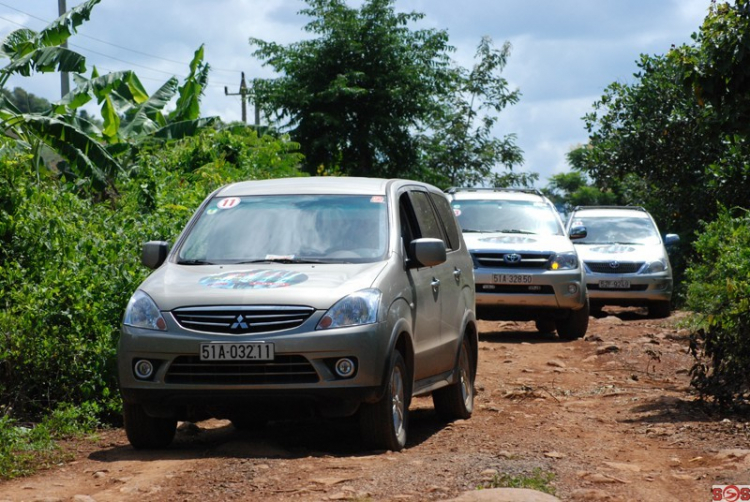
x=353, y=310
x=654, y=267
x=142, y=312
x=563, y=261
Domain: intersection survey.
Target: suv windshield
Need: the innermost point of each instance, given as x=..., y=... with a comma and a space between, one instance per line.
x=616, y=230
x=289, y=229
x=509, y=216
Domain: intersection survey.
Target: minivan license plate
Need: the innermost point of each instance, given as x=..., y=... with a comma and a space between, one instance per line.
x=237, y=352
x=512, y=278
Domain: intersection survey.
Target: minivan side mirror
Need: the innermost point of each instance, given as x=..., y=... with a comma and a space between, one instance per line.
x=578, y=233
x=154, y=254
x=426, y=252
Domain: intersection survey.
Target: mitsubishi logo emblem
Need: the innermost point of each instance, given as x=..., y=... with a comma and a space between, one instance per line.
x=239, y=323
x=614, y=264
x=512, y=258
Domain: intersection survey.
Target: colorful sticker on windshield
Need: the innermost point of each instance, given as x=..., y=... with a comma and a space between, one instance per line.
x=254, y=279
x=456, y=211
x=377, y=199
x=228, y=203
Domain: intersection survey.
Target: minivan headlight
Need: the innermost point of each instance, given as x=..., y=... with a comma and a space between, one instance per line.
x=563, y=261
x=655, y=267
x=142, y=312
x=356, y=309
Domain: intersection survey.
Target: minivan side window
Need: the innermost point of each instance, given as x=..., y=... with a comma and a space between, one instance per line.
x=445, y=211
x=429, y=225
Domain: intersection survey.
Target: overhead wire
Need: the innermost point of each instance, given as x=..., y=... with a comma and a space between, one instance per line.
x=218, y=84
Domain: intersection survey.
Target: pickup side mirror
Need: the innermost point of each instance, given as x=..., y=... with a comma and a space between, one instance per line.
x=154, y=254
x=671, y=239
x=426, y=253
x=578, y=233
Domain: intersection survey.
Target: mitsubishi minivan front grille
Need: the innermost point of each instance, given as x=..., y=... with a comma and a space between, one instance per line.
x=284, y=369
x=239, y=320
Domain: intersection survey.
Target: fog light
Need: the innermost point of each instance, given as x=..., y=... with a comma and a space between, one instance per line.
x=572, y=289
x=345, y=368
x=143, y=369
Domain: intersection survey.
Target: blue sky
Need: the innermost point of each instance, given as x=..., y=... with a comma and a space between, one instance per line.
x=564, y=52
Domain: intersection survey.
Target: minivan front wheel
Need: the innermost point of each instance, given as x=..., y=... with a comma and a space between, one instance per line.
x=575, y=325
x=146, y=432
x=456, y=401
x=383, y=424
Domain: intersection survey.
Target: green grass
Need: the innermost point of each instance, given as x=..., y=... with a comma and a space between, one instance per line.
x=538, y=480
x=26, y=449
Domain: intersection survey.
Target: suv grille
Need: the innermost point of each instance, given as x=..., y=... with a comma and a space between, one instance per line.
x=614, y=267
x=234, y=320
x=498, y=260
x=287, y=369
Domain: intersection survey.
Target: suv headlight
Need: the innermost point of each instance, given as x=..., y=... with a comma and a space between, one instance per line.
x=142, y=312
x=563, y=261
x=353, y=310
x=655, y=267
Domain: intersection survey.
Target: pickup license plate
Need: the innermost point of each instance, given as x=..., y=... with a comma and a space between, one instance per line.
x=614, y=284
x=237, y=351
x=512, y=278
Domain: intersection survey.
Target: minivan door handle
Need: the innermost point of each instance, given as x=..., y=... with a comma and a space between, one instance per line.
x=457, y=274
x=435, y=284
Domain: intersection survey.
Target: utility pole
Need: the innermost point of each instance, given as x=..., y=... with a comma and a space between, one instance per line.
x=243, y=97
x=64, y=76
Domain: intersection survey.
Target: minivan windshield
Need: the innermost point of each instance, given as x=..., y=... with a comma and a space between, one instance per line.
x=616, y=230
x=288, y=229
x=508, y=216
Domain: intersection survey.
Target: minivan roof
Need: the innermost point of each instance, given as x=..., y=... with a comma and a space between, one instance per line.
x=311, y=185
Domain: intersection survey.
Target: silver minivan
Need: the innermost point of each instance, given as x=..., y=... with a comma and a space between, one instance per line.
x=292, y=297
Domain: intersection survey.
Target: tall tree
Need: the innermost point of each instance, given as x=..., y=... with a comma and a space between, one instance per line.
x=365, y=95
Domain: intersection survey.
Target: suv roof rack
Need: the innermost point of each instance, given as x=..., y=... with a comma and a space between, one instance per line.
x=636, y=208
x=534, y=191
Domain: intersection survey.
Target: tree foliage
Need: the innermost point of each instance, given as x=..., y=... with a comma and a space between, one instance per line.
x=673, y=140
x=369, y=96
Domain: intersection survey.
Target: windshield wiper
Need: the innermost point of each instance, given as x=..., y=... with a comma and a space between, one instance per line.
x=514, y=231
x=194, y=262
x=280, y=260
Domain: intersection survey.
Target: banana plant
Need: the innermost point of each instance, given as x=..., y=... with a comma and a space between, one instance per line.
x=130, y=116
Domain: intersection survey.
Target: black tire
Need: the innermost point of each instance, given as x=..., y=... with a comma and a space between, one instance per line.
x=575, y=325
x=659, y=310
x=145, y=432
x=383, y=424
x=456, y=401
x=545, y=325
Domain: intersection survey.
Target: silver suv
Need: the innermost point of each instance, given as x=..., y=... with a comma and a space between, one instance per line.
x=290, y=297
x=525, y=265
x=625, y=258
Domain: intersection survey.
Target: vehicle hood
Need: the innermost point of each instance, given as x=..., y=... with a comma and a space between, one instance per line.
x=620, y=252
x=498, y=241
x=314, y=285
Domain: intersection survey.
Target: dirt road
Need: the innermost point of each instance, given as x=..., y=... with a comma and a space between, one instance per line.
x=607, y=418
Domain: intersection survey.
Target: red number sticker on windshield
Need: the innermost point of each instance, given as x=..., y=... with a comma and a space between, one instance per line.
x=228, y=203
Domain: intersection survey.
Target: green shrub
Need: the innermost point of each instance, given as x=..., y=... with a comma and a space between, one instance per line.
x=718, y=292
x=68, y=264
